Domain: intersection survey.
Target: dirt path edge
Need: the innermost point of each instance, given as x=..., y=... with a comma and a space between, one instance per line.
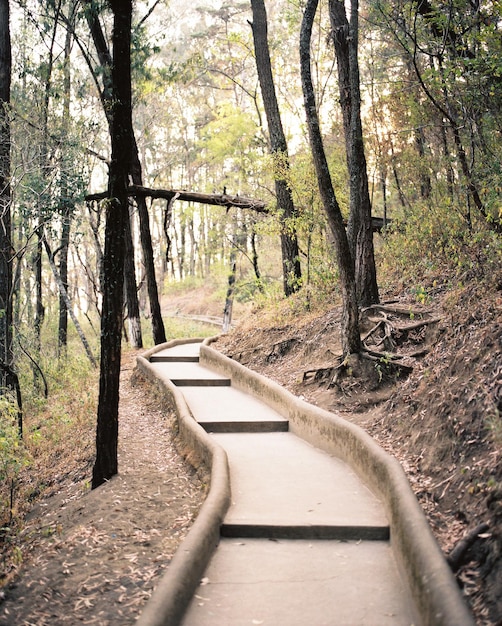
x=171, y=597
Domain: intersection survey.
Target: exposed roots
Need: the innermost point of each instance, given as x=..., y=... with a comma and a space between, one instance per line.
x=393, y=338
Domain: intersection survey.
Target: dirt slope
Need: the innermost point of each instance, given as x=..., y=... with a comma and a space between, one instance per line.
x=442, y=421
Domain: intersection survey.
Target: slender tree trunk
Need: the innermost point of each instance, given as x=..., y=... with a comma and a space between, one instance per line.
x=256, y=267
x=425, y=179
x=39, y=305
x=6, y=251
x=359, y=228
x=106, y=463
x=44, y=165
x=193, y=247
x=289, y=243
x=229, y=300
x=158, y=330
x=350, y=335
x=63, y=273
x=131, y=289
x=66, y=208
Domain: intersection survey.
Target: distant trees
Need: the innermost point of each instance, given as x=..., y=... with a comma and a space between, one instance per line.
x=451, y=55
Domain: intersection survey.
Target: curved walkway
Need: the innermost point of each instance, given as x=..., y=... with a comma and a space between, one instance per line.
x=307, y=520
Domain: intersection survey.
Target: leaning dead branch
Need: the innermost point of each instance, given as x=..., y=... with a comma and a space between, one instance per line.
x=223, y=199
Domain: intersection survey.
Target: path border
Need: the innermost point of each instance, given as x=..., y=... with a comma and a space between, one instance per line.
x=433, y=586
x=177, y=586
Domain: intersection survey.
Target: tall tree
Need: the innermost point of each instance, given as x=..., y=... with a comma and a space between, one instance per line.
x=158, y=330
x=6, y=251
x=279, y=149
x=66, y=205
x=106, y=463
x=350, y=335
x=359, y=228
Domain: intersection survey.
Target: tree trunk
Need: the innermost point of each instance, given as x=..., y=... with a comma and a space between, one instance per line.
x=254, y=257
x=159, y=335
x=66, y=208
x=6, y=251
x=359, y=228
x=158, y=329
x=350, y=335
x=289, y=243
x=131, y=289
x=63, y=273
x=229, y=300
x=106, y=463
x=39, y=305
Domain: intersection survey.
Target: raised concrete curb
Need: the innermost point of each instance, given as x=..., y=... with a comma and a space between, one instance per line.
x=434, y=588
x=432, y=584
x=176, y=588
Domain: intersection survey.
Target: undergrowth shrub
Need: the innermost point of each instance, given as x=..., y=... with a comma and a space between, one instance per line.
x=13, y=457
x=58, y=436
x=431, y=244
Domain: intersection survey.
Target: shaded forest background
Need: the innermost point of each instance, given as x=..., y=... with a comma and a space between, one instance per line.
x=430, y=83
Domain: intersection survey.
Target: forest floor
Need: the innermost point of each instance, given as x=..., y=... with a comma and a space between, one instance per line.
x=442, y=421
x=93, y=557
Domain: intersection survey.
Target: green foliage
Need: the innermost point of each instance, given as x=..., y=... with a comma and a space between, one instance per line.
x=12, y=453
x=228, y=141
x=13, y=457
x=430, y=240
x=179, y=328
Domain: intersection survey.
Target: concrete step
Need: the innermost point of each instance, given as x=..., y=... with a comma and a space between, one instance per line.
x=181, y=350
x=301, y=583
x=169, y=358
x=230, y=410
x=278, y=479
x=312, y=532
x=189, y=374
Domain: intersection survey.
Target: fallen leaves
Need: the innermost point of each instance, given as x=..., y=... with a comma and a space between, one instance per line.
x=112, y=544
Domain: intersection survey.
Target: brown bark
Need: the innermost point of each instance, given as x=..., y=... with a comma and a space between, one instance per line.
x=279, y=149
x=158, y=330
x=106, y=463
x=350, y=335
x=6, y=252
x=222, y=200
x=359, y=228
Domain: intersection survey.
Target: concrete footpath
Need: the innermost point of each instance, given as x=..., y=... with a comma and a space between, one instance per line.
x=301, y=539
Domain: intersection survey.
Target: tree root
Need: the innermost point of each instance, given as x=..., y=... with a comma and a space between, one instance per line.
x=457, y=556
x=281, y=348
x=383, y=365
x=380, y=345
